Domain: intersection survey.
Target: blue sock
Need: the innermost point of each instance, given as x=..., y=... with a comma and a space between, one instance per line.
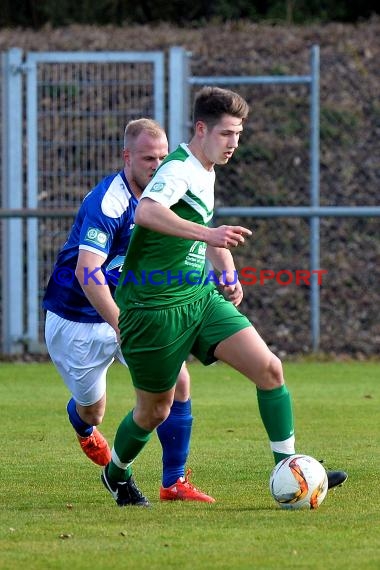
x=174, y=434
x=76, y=421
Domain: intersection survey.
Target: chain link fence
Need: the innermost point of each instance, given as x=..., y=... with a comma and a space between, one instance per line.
x=271, y=168
x=83, y=109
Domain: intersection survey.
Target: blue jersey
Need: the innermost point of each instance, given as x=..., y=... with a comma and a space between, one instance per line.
x=103, y=225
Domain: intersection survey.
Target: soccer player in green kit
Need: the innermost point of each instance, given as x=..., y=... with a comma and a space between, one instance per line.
x=170, y=307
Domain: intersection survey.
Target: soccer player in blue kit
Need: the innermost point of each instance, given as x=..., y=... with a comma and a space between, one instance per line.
x=81, y=328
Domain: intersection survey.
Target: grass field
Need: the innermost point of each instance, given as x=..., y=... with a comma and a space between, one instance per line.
x=55, y=514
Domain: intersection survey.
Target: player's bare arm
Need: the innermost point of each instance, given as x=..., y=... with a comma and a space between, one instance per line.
x=223, y=262
x=96, y=289
x=152, y=215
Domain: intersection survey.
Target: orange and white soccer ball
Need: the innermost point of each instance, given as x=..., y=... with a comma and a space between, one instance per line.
x=298, y=482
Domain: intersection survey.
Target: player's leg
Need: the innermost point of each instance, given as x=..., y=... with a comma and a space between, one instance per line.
x=182, y=386
x=91, y=440
x=78, y=415
x=92, y=414
x=247, y=353
x=132, y=435
x=82, y=353
x=175, y=432
x=174, y=435
x=227, y=335
x=154, y=344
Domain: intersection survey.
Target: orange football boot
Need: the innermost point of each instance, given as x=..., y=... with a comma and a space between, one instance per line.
x=96, y=448
x=183, y=490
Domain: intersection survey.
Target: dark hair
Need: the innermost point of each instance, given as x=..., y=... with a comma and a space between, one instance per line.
x=211, y=103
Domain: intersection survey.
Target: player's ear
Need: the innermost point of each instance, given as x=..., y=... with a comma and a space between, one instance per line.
x=200, y=128
x=126, y=156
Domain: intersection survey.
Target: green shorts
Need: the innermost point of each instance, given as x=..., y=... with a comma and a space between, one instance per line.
x=155, y=343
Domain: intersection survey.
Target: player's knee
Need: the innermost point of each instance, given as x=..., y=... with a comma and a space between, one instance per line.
x=182, y=388
x=160, y=413
x=151, y=416
x=92, y=417
x=94, y=413
x=273, y=376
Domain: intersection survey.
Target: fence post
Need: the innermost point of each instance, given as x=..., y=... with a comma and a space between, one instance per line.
x=32, y=255
x=178, y=96
x=314, y=199
x=12, y=197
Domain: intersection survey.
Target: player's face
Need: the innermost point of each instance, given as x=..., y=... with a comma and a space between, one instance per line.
x=143, y=159
x=220, y=141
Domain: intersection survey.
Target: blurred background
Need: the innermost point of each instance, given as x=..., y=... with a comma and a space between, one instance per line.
x=73, y=74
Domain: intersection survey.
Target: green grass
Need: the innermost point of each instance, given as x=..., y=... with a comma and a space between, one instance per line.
x=50, y=491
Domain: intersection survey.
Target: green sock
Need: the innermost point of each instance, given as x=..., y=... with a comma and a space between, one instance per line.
x=277, y=415
x=129, y=441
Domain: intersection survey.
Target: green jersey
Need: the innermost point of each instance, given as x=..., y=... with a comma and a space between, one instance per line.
x=166, y=271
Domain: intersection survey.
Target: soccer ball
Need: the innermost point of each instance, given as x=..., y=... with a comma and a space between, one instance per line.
x=298, y=482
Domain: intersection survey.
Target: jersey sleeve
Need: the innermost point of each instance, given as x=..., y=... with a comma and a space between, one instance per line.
x=168, y=185
x=97, y=231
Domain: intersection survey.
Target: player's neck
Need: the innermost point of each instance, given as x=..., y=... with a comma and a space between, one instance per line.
x=196, y=149
x=133, y=186
x=136, y=190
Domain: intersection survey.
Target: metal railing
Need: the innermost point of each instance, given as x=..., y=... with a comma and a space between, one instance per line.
x=14, y=297
x=179, y=113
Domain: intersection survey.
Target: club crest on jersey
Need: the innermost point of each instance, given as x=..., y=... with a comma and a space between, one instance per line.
x=158, y=187
x=96, y=236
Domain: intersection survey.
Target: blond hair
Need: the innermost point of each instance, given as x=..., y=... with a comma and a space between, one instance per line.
x=136, y=127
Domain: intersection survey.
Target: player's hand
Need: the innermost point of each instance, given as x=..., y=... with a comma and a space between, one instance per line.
x=118, y=339
x=228, y=236
x=232, y=291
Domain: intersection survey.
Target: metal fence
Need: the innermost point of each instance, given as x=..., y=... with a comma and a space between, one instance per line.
x=62, y=127
x=303, y=175
x=62, y=119
x=285, y=129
